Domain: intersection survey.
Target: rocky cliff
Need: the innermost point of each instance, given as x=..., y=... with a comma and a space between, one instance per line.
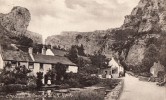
x=88, y=39
x=147, y=20
x=17, y=21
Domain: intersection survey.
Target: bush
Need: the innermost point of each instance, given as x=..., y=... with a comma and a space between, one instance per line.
x=21, y=81
x=88, y=80
x=39, y=79
x=8, y=79
x=14, y=87
x=80, y=80
x=108, y=83
x=64, y=86
x=31, y=86
x=160, y=75
x=145, y=74
x=18, y=75
x=152, y=79
x=74, y=83
x=32, y=82
x=85, y=95
x=141, y=78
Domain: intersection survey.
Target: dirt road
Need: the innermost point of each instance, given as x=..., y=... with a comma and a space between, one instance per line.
x=139, y=90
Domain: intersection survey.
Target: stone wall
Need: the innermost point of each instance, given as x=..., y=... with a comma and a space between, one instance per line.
x=115, y=93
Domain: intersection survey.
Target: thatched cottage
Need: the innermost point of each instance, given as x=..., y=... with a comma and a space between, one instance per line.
x=35, y=62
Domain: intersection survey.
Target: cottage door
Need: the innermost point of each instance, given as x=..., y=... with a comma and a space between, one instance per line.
x=45, y=79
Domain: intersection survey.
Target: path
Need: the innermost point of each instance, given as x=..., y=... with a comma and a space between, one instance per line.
x=139, y=90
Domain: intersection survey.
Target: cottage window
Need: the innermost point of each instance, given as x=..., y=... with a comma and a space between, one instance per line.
x=115, y=71
x=41, y=66
x=106, y=72
x=53, y=66
x=31, y=66
x=18, y=63
x=110, y=72
x=13, y=63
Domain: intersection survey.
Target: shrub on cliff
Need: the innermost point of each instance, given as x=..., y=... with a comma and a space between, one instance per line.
x=162, y=52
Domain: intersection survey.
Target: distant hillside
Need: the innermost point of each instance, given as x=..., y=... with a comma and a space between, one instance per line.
x=146, y=21
x=88, y=39
x=16, y=23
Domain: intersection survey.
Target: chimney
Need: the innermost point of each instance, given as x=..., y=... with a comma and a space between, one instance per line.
x=44, y=50
x=52, y=47
x=49, y=47
x=30, y=50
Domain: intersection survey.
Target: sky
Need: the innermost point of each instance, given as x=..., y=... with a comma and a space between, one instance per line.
x=51, y=17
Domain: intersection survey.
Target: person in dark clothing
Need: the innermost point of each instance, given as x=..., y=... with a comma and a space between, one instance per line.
x=45, y=79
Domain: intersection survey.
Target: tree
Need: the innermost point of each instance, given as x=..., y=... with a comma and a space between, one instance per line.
x=23, y=40
x=60, y=71
x=99, y=60
x=37, y=48
x=73, y=54
x=39, y=80
x=162, y=53
x=81, y=50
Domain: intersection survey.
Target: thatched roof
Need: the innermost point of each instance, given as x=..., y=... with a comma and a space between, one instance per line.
x=12, y=55
x=59, y=52
x=48, y=59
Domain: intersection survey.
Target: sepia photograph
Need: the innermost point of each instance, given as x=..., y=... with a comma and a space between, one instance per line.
x=82, y=49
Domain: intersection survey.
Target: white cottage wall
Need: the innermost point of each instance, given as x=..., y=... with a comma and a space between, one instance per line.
x=1, y=62
x=46, y=68
x=114, y=66
x=24, y=63
x=49, y=52
x=36, y=68
x=73, y=69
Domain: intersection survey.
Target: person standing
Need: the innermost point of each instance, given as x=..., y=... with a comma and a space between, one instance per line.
x=49, y=81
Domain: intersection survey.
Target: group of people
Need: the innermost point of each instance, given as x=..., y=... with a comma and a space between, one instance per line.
x=49, y=78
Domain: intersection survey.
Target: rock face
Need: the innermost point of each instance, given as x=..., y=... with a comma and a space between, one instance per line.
x=88, y=39
x=147, y=20
x=17, y=22
x=147, y=16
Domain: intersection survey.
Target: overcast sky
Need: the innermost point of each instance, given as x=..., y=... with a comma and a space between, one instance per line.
x=50, y=17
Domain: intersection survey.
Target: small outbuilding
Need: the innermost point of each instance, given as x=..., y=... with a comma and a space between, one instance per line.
x=156, y=68
x=114, y=69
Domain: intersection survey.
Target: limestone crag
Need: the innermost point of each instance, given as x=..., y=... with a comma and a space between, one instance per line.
x=147, y=16
x=147, y=20
x=17, y=21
